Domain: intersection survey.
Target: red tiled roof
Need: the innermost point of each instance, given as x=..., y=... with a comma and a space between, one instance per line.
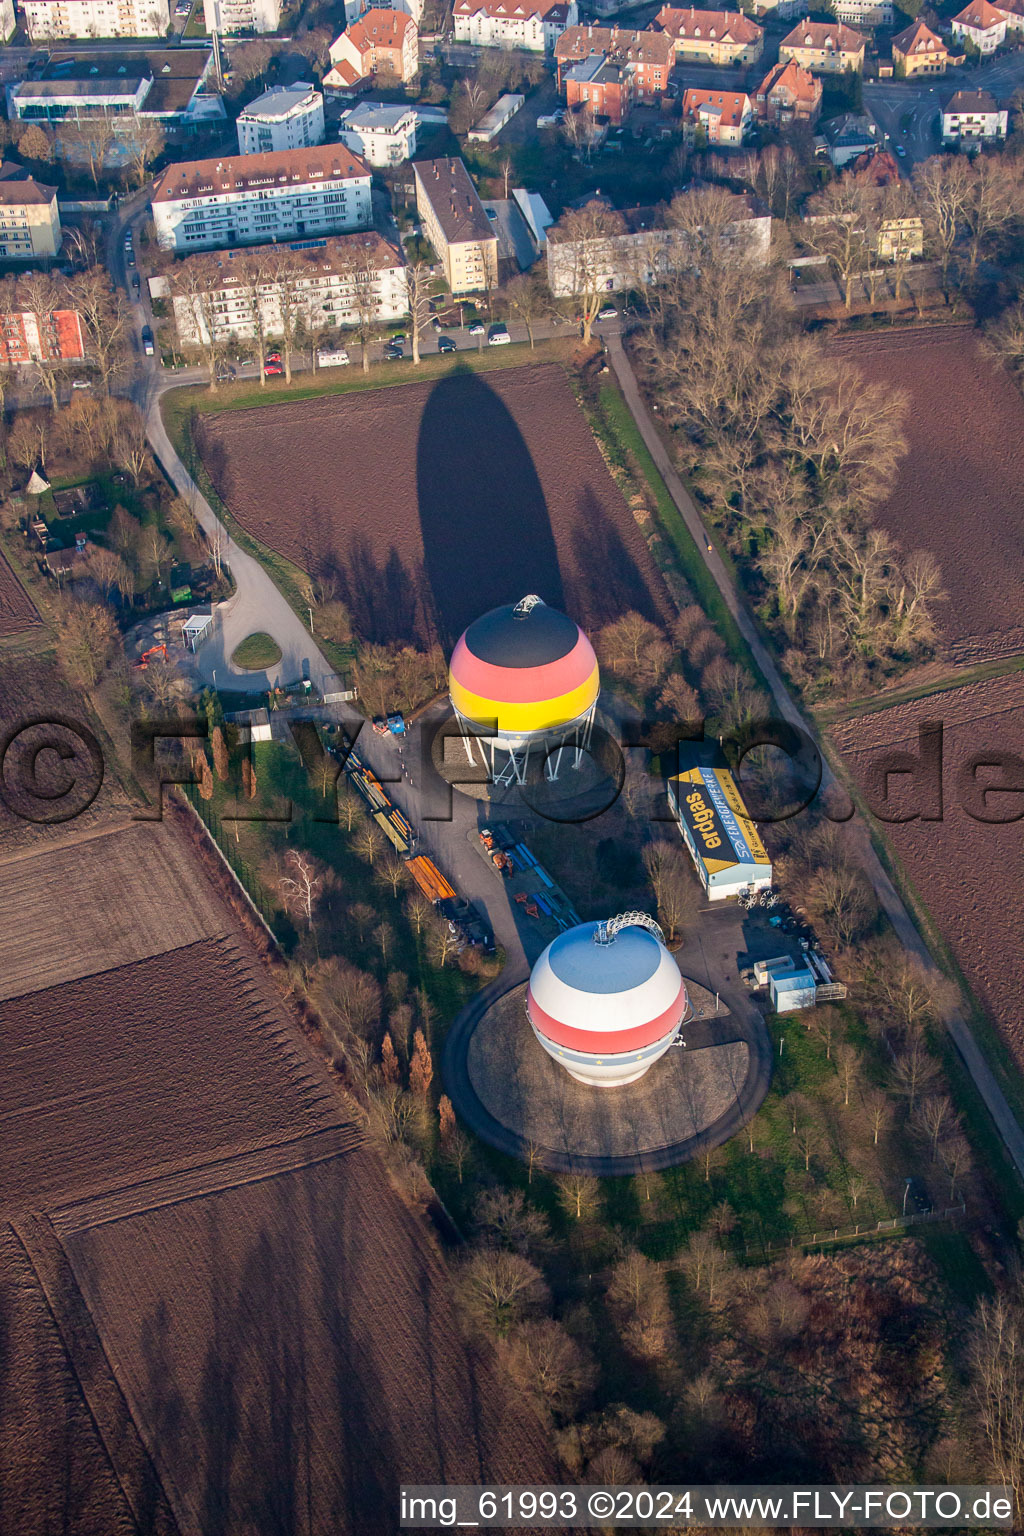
x=639, y=47
x=824, y=34
x=514, y=10
x=716, y=26
x=728, y=106
x=792, y=77
x=237, y=173
x=980, y=15
x=917, y=38
x=380, y=29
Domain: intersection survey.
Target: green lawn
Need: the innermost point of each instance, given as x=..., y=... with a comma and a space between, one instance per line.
x=257, y=652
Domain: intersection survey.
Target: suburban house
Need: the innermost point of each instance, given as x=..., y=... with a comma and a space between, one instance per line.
x=711, y=37
x=48, y=21
x=292, y=194
x=26, y=337
x=380, y=133
x=865, y=13
x=973, y=117
x=788, y=94
x=824, y=47
x=647, y=57
x=285, y=117
x=29, y=221
x=380, y=43
x=918, y=51
x=456, y=225
x=333, y=283
x=716, y=117
x=900, y=238
x=233, y=16
x=850, y=136
x=981, y=24
x=1012, y=12
x=167, y=87
x=535, y=25
x=644, y=249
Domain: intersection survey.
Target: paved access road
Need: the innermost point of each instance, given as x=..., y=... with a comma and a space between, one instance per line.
x=859, y=839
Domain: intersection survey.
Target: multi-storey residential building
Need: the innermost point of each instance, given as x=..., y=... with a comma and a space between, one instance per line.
x=252, y=199
x=29, y=221
x=285, y=117
x=788, y=94
x=719, y=117
x=711, y=37
x=456, y=225
x=973, y=117
x=356, y=8
x=27, y=337
x=167, y=86
x=779, y=10
x=918, y=51
x=329, y=283
x=49, y=21
x=233, y=16
x=645, y=248
x=603, y=85
x=865, y=13
x=535, y=25
x=381, y=134
x=1012, y=12
x=824, y=47
x=981, y=24
x=646, y=56
x=381, y=43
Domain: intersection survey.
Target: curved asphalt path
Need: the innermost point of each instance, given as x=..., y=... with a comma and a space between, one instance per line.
x=455, y=1071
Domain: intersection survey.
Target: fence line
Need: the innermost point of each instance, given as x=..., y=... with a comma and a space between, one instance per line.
x=835, y=1235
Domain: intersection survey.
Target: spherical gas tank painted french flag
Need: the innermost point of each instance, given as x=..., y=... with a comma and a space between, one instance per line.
x=606, y=999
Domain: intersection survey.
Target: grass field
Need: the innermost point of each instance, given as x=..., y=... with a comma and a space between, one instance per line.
x=256, y=653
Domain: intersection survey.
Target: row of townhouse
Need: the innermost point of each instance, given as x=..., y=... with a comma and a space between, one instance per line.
x=288, y=195
x=711, y=37
x=643, y=248
x=330, y=284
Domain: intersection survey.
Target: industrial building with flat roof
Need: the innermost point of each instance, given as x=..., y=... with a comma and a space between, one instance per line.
x=456, y=225
x=717, y=829
x=165, y=86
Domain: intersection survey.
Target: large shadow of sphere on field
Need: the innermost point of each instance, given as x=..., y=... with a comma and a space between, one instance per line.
x=486, y=530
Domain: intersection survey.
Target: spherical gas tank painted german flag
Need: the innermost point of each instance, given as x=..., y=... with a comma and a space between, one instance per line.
x=525, y=666
x=606, y=999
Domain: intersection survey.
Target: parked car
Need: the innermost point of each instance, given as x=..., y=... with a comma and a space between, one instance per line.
x=272, y=369
x=273, y=357
x=129, y=257
x=148, y=344
x=498, y=335
x=333, y=357
x=609, y=312
x=476, y=329
x=224, y=373
x=445, y=344
x=397, y=339
x=127, y=239
x=136, y=285
x=901, y=151
x=81, y=383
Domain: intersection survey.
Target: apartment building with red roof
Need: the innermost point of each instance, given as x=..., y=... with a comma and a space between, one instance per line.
x=824, y=47
x=534, y=25
x=717, y=117
x=788, y=94
x=711, y=37
x=644, y=59
x=917, y=50
x=380, y=43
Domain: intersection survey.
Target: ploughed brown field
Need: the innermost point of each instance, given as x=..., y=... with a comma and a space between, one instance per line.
x=960, y=491
x=17, y=610
x=966, y=872
x=216, y=1316
x=431, y=503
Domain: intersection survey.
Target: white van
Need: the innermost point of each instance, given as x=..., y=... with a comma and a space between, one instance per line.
x=333, y=359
